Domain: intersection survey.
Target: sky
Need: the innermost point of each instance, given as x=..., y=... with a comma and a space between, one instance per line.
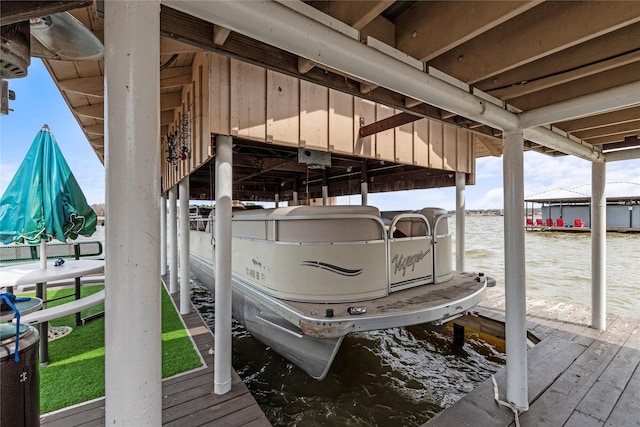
x=38, y=101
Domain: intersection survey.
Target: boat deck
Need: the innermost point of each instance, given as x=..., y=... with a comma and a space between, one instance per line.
x=462, y=285
x=578, y=376
x=187, y=400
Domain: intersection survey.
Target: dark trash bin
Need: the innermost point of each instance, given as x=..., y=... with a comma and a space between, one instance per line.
x=19, y=382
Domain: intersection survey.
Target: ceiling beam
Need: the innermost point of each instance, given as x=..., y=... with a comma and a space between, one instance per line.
x=631, y=126
x=91, y=86
x=175, y=77
x=386, y=124
x=581, y=106
x=615, y=156
x=94, y=111
x=167, y=117
x=608, y=139
x=569, y=64
x=601, y=120
x=97, y=129
x=551, y=81
x=588, y=85
x=355, y=13
x=629, y=141
x=169, y=101
x=94, y=86
x=431, y=28
x=553, y=26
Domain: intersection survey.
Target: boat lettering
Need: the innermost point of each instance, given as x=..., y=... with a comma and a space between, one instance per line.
x=400, y=262
x=256, y=275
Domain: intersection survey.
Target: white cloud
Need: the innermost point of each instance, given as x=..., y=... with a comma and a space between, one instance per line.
x=492, y=199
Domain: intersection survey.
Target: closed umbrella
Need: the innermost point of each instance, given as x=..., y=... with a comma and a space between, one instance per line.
x=44, y=202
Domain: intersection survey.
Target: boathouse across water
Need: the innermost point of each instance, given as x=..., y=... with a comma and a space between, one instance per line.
x=623, y=213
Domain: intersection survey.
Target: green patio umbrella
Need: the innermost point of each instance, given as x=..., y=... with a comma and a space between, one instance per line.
x=44, y=201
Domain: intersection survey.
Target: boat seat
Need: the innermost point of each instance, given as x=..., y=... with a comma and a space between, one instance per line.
x=539, y=222
x=549, y=222
x=577, y=222
x=316, y=229
x=560, y=222
x=529, y=222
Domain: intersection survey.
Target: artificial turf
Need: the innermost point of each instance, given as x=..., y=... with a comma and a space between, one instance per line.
x=75, y=372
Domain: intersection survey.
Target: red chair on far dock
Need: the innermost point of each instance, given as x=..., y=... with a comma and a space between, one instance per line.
x=539, y=222
x=560, y=222
x=529, y=222
x=577, y=222
x=549, y=222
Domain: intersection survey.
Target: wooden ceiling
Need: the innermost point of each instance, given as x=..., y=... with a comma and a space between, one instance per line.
x=520, y=54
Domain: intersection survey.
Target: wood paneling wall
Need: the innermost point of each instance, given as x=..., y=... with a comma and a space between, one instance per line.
x=231, y=97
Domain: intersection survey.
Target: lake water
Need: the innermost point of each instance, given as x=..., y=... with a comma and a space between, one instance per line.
x=404, y=376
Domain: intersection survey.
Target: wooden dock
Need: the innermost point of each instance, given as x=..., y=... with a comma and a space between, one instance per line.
x=578, y=376
x=187, y=400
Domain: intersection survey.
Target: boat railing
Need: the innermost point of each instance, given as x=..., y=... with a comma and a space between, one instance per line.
x=409, y=252
x=442, y=249
x=408, y=225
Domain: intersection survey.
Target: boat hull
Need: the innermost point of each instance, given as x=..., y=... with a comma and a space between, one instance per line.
x=303, y=333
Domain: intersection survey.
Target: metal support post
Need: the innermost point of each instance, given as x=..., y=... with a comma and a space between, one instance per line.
x=163, y=234
x=133, y=353
x=364, y=186
x=515, y=284
x=598, y=247
x=224, y=185
x=325, y=188
x=173, y=241
x=460, y=221
x=185, y=302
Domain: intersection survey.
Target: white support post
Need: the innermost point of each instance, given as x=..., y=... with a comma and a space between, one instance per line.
x=133, y=353
x=185, y=265
x=163, y=234
x=325, y=195
x=460, y=220
x=598, y=247
x=173, y=241
x=364, y=182
x=276, y=199
x=515, y=284
x=222, y=327
x=295, y=199
x=364, y=192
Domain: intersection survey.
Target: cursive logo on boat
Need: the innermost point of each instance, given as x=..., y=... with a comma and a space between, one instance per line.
x=400, y=262
x=332, y=268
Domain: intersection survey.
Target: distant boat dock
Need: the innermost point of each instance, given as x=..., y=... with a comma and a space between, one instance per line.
x=574, y=214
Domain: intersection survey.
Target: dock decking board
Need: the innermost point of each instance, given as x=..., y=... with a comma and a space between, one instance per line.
x=187, y=399
x=578, y=376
